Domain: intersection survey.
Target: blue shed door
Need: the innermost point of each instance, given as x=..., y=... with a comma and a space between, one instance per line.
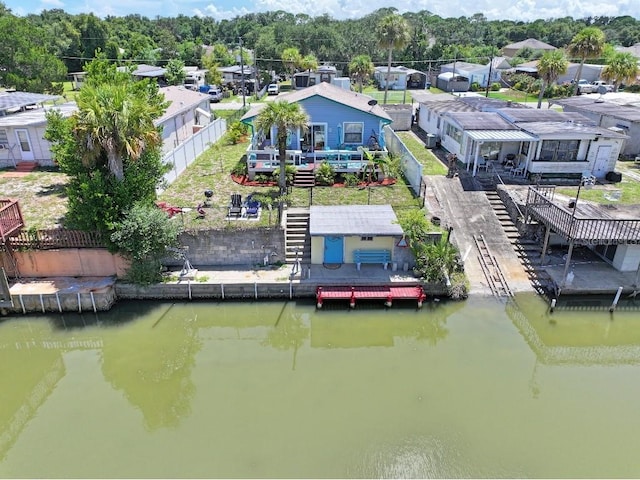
x=333, y=249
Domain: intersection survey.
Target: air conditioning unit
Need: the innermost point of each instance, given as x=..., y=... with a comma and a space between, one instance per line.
x=4, y=146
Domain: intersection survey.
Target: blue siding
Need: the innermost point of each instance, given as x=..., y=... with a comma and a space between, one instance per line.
x=322, y=110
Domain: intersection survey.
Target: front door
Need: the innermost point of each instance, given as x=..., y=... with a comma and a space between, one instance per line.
x=26, y=152
x=316, y=136
x=603, y=157
x=333, y=249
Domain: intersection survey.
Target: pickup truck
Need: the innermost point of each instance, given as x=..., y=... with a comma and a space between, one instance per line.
x=585, y=87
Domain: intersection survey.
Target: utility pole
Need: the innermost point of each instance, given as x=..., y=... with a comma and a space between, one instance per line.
x=244, y=104
x=486, y=94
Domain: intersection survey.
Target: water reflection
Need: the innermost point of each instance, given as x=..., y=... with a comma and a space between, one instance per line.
x=576, y=337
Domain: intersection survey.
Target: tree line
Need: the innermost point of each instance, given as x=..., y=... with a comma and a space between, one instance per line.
x=38, y=50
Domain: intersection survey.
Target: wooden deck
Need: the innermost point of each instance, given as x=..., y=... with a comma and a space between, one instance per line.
x=352, y=294
x=585, y=224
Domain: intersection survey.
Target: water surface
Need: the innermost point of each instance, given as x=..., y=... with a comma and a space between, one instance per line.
x=480, y=388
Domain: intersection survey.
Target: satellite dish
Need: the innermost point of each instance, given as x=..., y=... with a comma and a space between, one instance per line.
x=602, y=90
x=373, y=102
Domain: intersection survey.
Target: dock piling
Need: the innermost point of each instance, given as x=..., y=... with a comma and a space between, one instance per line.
x=615, y=300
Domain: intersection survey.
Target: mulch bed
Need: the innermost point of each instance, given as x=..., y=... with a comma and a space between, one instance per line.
x=245, y=182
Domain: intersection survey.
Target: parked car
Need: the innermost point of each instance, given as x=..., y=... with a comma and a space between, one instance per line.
x=273, y=89
x=585, y=87
x=214, y=92
x=602, y=83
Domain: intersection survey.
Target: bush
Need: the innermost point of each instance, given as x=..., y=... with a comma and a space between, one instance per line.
x=262, y=178
x=351, y=179
x=236, y=132
x=289, y=172
x=495, y=87
x=240, y=168
x=325, y=174
x=143, y=237
x=475, y=86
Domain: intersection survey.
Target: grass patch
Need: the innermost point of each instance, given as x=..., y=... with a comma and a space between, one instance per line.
x=630, y=192
x=393, y=96
x=432, y=165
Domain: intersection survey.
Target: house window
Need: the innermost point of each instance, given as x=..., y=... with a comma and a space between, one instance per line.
x=559, y=150
x=453, y=132
x=353, y=132
x=366, y=239
x=3, y=137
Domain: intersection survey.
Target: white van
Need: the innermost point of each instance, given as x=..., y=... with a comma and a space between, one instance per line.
x=273, y=89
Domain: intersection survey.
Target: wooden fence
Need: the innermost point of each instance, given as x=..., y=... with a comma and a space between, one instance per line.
x=56, y=238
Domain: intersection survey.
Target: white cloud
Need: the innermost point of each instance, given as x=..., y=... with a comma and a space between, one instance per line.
x=218, y=13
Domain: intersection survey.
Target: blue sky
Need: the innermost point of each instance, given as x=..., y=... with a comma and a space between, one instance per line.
x=526, y=10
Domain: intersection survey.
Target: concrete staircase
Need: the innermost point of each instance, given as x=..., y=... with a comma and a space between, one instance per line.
x=528, y=251
x=304, y=178
x=26, y=167
x=297, y=239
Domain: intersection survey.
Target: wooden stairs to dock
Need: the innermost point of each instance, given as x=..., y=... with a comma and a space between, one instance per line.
x=297, y=239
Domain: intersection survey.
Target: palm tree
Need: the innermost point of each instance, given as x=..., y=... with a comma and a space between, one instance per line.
x=284, y=116
x=115, y=122
x=621, y=67
x=291, y=59
x=393, y=33
x=587, y=43
x=550, y=66
x=362, y=68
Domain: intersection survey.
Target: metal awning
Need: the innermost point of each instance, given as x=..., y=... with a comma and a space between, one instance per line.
x=500, y=136
x=203, y=112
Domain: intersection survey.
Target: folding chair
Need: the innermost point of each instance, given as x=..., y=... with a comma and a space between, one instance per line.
x=235, y=207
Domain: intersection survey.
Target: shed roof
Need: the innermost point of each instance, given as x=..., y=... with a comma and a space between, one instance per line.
x=331, y=92
x=353, y=220
x=444, y=106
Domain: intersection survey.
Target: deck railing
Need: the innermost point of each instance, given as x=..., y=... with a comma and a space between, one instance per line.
x=10, y=218
x=56, y=238
x=588, y=231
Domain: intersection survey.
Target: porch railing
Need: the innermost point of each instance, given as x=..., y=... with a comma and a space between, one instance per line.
x=10, y=218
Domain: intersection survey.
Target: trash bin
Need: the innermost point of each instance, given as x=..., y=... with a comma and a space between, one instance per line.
x=431, y=141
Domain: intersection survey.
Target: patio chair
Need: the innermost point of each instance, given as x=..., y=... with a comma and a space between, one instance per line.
x=252, y=208
x=612, y=196
x=235, y=207
x=588, y=179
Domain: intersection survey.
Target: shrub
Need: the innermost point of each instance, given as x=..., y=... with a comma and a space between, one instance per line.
x=325, y=174
x=475, y=86
x=235, y=132
x=351, y=179
x=495, y=86
x=289, y=172
x=262, y=178
x=143, y=237
x=240, y=168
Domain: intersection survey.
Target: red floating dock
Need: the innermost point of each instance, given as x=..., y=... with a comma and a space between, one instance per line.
x=388, y=294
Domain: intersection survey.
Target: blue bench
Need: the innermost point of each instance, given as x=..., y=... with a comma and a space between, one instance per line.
x=371, y=256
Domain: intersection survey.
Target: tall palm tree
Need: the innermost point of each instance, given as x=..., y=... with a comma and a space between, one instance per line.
x=621, y=67
x=362, y=68
x=551, y=65
x=291, y=60
x=115, y=122
x=393, y=33
x=284, y=116
x=587, y=43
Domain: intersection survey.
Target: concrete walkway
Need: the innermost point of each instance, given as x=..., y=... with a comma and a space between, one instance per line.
x=469, y=212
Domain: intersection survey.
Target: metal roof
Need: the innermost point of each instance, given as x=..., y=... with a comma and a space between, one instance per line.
x=569, y=130
x=35, y=116
x=500, y=136
x=480, y=121
x=353, y=220
x=601, y=107
x=542, y=115
x=15, y=100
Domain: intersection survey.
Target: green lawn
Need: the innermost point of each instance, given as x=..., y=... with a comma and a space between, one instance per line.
x=393, y=96
x=630, y=192
x=431, y=164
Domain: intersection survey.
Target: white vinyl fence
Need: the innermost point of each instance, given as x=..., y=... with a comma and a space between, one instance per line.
x=410, y=166
x=184, y=154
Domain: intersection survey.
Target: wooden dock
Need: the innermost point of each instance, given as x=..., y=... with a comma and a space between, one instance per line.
x=386, y=293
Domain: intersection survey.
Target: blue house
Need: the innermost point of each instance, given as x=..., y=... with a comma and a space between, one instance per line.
x=341, y=125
